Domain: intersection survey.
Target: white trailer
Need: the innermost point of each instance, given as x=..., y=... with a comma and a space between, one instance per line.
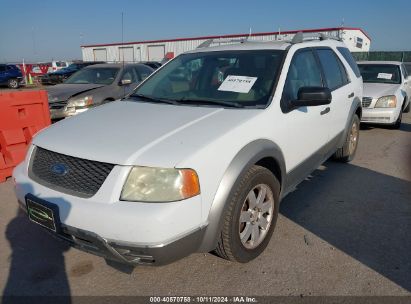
x=155, y=50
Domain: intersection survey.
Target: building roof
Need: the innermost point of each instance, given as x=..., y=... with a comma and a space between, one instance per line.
x=233, y=36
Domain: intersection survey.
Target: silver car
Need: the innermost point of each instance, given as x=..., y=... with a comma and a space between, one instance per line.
x=93, y=86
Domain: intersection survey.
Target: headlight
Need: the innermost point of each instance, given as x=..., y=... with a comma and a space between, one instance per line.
x=386, y=102
x=146, y=184
x=80, y=102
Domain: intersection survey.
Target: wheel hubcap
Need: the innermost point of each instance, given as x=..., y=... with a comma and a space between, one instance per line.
x=256, y=216
x=353, y=138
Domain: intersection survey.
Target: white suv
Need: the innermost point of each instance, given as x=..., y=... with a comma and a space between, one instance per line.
x=199, y=157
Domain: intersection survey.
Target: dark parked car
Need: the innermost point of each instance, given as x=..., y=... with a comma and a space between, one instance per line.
x=10, y=75
x=152, y=64
x=94, y=85
x=64, y=73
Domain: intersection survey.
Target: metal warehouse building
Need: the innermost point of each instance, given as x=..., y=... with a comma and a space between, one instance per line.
x=156, y=50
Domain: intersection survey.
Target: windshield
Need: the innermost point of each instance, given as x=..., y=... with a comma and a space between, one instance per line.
x=94, y=75
x=241, y=78
x=380, y=73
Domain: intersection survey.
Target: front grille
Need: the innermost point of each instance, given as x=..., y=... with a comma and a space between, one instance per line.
x=57, y=105
x=68, y=174
x=366, y=101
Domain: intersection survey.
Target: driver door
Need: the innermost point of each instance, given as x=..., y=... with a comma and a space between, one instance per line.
x=305, y=127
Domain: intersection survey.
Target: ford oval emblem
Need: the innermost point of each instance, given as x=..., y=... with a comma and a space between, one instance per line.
x=59, y=169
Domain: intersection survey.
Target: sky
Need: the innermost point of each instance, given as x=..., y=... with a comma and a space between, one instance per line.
x=45, y=30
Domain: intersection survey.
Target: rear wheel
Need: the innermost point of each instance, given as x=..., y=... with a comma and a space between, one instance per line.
x=347, y=152
x=250, y=217
x=13, y=83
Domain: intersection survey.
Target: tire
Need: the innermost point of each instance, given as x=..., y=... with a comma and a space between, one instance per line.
x=407, y=108
x=347, y=152
x=242, y=221
x=397, y=123
x=13, y=83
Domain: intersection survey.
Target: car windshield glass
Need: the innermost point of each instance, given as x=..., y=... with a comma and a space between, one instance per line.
x=94, y=75
x=380, y=73
x=223, y=78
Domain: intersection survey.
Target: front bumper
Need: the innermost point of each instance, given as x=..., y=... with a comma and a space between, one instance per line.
x=126, y=232
x=380, y=115
x=128, y=253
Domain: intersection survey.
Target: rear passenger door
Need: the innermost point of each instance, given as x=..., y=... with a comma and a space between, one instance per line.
x=337, y=80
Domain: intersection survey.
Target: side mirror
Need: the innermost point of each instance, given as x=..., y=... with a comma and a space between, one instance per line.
x=125, y=81
x=312, y=96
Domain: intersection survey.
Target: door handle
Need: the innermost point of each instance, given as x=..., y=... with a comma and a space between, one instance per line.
x=351, y=95
x=325, y=111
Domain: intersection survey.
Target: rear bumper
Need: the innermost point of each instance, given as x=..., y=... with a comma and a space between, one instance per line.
x=380, y=115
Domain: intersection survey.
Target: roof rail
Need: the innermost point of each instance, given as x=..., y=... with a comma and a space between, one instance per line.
x=299, y=38
x=220, y=41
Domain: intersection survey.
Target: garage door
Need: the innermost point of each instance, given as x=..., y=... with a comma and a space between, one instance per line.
x=126, y=54
x=156, y=52
x=100, y=54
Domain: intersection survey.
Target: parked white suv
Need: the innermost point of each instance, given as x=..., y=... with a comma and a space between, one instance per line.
x=199, y=157
x=387, y=92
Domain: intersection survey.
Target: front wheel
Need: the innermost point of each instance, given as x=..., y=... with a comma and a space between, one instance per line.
x=397, y=123
x=13, y=83
x=347, y=152
x=250, y=217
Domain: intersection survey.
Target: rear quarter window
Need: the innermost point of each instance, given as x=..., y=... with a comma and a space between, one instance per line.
x=350, y=60
x=334, y=70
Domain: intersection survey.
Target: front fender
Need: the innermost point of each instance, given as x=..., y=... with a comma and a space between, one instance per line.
x=241, y=163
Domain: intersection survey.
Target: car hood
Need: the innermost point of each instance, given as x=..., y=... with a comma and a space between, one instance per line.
x=62, y=92
x=130, y=133
x=376, y=90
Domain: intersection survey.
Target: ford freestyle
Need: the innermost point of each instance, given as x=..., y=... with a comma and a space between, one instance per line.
x=199, y=156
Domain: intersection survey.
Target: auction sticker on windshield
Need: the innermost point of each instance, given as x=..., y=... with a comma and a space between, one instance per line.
x=238, y=84
x=384, y=76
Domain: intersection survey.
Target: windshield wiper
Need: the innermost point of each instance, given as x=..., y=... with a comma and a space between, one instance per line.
x=159, y=100
x=211, y=102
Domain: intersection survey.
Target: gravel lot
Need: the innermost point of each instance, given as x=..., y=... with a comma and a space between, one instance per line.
x=344, y=231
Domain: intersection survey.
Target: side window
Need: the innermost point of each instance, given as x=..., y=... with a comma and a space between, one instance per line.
x=130, y=74
x=303, y=72
x=334, y=77
x=2, y=68
x=143, y=71
x=350, y=60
